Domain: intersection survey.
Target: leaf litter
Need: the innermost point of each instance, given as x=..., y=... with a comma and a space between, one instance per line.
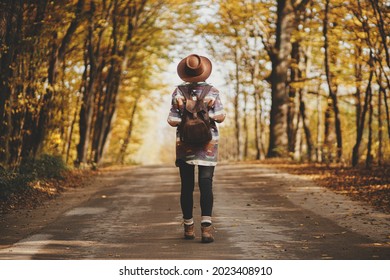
x=371, y=186
x=43, y=190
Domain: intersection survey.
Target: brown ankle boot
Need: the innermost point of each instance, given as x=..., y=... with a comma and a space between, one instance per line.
x=207, y=234
x=189, y=232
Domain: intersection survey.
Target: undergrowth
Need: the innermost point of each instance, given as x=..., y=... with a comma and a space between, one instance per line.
x=31, y=172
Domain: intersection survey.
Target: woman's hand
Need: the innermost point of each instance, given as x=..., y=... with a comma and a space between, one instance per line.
x=180, y=104
x=209, y=102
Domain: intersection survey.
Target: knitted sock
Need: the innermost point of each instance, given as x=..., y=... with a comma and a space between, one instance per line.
x=206, y=221
x=189, y=222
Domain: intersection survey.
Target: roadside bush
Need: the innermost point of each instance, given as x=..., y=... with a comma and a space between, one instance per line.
x=34, y=180
x=45, y=167
x=11, y=183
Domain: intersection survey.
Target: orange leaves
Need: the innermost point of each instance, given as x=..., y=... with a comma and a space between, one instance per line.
x=371, y=186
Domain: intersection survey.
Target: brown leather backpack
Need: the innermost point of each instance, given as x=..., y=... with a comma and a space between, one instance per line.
x=195, y=125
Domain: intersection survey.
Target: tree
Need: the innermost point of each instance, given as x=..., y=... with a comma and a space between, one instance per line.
x=331, y=87
x=279, y=54
x=119, y=36
x=57, y=57
x=62, y=65
x=10, y=40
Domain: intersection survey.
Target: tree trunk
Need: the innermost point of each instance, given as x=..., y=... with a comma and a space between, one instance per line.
x=236, y=105
x=332, y=89
x=381, y=24
x=73, y=123
x=359, y=132
x=257, y=119
x=306, y=126
x=387, y=110
x=16, y=119
x=278, y=139
x=292, y=123
x=254, y=71
x=245, y=126
x=380, y=126
x=329, y=134
x=302, y=106
x=56, y=59
x=86, y=110
x=107, y=98
x=319, y=148
x=297, y=149
x=126, y=140
x=358, y=80
x=12, y=17
x=370, y=119
x=105, y=116
x=32, y=58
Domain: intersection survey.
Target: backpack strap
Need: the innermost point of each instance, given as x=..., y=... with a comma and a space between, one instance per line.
x=185, y=91
x=195, y=106
x=205, y=91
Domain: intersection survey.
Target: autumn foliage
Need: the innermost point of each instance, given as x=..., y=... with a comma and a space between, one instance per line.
x=308, y=80
x=321, y=95
x=67, y=69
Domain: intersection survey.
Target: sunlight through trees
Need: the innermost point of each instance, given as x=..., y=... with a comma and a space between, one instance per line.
x=307, y=80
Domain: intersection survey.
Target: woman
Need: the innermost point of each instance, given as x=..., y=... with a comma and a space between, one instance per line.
x=194, y=70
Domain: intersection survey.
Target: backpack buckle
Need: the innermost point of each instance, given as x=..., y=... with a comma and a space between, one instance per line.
x=193, y=95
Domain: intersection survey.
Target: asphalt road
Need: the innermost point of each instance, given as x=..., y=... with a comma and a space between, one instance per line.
x=259, y=213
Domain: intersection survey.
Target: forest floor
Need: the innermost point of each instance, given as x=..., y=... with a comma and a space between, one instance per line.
x=41, y=191
x=371, y=186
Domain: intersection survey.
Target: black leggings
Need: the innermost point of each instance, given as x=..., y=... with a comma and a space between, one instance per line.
x=205, y=179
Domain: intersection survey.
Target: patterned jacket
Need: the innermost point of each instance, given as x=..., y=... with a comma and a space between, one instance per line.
x=207, y=154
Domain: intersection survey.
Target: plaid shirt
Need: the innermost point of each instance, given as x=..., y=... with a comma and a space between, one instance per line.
x=207, y=154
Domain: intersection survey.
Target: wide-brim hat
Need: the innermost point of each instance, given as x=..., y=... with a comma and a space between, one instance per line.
x=194, y=68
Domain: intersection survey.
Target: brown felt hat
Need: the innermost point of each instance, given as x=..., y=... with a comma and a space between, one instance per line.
x=194, y=68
